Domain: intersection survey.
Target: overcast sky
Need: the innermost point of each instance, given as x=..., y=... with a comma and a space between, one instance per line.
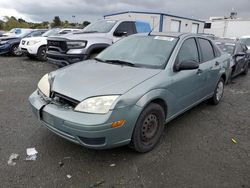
x=45, y=10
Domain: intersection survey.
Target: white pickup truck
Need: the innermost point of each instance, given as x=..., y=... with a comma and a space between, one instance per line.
x=36, y=46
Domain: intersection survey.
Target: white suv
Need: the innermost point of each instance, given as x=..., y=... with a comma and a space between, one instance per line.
x=36, y=46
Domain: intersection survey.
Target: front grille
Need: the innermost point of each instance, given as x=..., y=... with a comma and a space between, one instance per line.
x=63, y=100
x=57, y=44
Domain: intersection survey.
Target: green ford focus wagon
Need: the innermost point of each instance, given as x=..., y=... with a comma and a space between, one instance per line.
x=129, y=92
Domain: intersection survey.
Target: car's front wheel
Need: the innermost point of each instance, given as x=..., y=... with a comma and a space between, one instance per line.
x=41, y=54
x=218, y=92
x=148, y=128
x=15, y=50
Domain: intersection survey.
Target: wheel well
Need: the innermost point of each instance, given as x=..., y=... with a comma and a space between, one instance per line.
x=162, y=104
x=223, y=76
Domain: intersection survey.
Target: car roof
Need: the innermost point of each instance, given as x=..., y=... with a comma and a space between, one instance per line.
x=175, y=34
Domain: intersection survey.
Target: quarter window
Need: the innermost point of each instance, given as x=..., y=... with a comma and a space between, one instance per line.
x=188, y=51
x=206, y=50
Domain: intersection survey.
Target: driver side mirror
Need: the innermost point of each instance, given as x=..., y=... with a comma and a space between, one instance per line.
x=186, y=65
x=120, y=33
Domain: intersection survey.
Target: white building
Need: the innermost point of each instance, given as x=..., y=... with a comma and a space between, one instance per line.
x=162, y=22
x=228, y=27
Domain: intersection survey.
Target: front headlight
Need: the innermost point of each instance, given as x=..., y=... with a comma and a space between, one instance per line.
x=97, y=105
x=3, y=42
x=76, y=44
x=44, y=85
x=32, y=42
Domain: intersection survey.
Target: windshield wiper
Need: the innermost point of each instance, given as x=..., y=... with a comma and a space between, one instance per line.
x=98, y=59
x=120, y=62
x=115, y=61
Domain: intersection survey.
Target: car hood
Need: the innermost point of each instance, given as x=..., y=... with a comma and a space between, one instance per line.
x=35, y=38
x=79, y=36
x=92, y=78
x=8, y=38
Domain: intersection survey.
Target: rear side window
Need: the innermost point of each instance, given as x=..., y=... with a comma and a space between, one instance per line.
x=128, y=27
x=206, y=50
x=188, y=51
x=142, y=27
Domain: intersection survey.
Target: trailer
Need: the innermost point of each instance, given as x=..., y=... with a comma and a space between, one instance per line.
x=162, y=22
x=227, y=27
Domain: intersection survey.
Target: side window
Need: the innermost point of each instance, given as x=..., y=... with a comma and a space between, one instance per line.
x=207, y=50
x=128, y=27
x=239, y=49
x=188, y=51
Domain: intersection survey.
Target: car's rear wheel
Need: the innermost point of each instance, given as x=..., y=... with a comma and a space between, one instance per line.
x=246, y=69
x=15, y=50
x=41, y=54
x=148, y=128
x=218, y=92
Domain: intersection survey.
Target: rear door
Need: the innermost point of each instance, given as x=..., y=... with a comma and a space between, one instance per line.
x=210, y=65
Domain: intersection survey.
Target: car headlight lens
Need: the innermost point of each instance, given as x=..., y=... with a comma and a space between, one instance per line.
x=76, y=44
x=97, y=105
x=44, y=85
x=33, y=42
x=3, y=42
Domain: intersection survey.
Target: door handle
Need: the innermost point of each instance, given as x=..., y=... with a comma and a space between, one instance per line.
x=217, y=63
x=199, y=71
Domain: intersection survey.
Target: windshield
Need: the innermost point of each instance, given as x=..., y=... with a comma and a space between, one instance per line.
x=147, y=51
x=226, y=47
x=246, y=41
x=102, y=26
x=24, y=34
x=51, y=32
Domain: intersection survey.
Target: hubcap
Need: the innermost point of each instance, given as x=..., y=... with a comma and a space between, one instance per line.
x=149, y=128
x=219, y=90
x=43, y=54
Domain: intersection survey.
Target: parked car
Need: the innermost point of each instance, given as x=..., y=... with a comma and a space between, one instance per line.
x=94, y=38
x=246, y=41
x=16, y=31
x=10, y=44
x=239, y=57
x=36, y=46
x=1, y=33
x=130, y=90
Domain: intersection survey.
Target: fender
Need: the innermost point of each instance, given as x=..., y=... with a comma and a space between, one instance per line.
x=96, y=47
x=157, y=94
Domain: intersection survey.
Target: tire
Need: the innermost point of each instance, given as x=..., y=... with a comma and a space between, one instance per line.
x=41, y=54
x=218, y=92
x=246, y=69
x=15, y=51
x=148, y=129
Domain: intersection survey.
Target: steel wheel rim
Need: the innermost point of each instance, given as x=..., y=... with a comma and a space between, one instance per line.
x=16, y=51
x=219, y=90
x=149, y=128
x=43, y=54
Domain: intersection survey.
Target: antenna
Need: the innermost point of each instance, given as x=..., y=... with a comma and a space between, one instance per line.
x=154, y=26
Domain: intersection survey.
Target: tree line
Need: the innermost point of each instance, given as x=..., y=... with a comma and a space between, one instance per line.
x=12, y=22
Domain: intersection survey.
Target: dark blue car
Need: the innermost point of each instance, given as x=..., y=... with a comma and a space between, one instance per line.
x=9, y=45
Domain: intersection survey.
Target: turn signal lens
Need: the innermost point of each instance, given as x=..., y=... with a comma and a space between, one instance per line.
x=118, y=123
